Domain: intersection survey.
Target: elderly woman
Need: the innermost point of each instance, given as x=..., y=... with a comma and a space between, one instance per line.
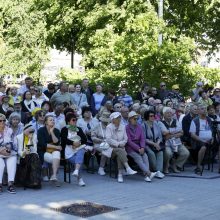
x=135, y=146
x=8, y=155
x=73, y=142
x=117, y=138
x=39, y=120
x=48, y=145
x=15, y=124
x=29, y=169
x=154, y=141
x=39, y=97
x=99, y=137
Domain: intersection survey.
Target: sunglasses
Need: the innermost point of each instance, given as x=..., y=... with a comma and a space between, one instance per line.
x=135, y=118
x=162, y=85
x=151, y=116
x=73, y=119
x=3, y=120
x=42, y=115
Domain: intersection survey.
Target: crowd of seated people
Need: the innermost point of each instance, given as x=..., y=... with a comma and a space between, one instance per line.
x=154, y=133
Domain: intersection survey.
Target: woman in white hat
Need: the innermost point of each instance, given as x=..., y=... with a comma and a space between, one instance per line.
x=99, y=137
x=135, y=146
x=116, y=137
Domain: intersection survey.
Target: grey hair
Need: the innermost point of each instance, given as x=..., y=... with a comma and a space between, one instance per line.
x=12, y=116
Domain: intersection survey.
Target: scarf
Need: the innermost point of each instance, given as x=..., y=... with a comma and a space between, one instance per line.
x=157, y=131
x=72, y=128
x=29, y=105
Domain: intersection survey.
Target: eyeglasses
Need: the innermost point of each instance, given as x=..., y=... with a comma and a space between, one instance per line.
x=3, y=120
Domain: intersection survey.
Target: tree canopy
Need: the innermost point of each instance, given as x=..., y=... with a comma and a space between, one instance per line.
x=118, y=39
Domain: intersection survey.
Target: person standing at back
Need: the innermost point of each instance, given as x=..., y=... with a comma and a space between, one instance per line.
x=125, y=98
x=97, y=99
x=162, y=92
x=87, y=90
x=62, y=95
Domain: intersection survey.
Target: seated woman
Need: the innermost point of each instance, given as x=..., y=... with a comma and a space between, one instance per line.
x=154, y=140
x=116, y=137
x=15, y=124
x=99, y=137
x=39, y=117
x=87, y=123
x=135, y=146
x=48, y=146
x=29, y=168
x=73, y=141
x=8, y=155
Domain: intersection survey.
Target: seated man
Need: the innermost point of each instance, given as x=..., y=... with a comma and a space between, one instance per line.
x=174, y=149
x=201, y=133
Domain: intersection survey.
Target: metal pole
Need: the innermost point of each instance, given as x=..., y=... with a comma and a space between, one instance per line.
x=160, y=15
x=72, y=49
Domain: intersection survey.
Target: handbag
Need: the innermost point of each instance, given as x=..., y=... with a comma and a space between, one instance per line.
x=50, y=150
x=104, y=145
x=5, y=151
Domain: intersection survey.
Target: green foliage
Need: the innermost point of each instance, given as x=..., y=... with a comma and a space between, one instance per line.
x=70, y=75
x=210, y=76
x=132, y=55
x=22, y=38
x=198, y=19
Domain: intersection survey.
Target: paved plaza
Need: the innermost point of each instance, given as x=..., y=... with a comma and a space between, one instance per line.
x=172, y=198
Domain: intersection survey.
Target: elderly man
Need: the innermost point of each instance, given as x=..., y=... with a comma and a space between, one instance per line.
x=174, y=149
x=201, y=133
x=61, y=96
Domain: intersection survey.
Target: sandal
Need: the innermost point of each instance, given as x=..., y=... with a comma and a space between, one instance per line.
x=198, y=171
x=11, y=189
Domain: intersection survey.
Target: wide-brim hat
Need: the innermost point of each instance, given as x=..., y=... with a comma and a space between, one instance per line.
x=132, y=114
x=105, y=117
x=115, y=115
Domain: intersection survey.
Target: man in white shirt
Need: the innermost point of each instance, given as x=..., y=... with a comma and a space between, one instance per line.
x=201, y=134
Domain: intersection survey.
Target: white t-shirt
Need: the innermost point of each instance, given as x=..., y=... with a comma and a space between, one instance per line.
x=205, y=132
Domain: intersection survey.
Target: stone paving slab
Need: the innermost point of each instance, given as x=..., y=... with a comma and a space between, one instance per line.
x=171, y=198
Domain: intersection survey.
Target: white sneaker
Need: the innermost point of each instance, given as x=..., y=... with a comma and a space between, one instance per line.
x=152, y=175
x=81, y=182
x=75, y=173
x=147, y=179
x=130, y=171
x=53, y=178
x=159, y=175
x=120, y=178
x=101, y=171
x=45, y=179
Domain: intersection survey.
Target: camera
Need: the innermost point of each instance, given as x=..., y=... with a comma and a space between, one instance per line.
x=29, y=146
